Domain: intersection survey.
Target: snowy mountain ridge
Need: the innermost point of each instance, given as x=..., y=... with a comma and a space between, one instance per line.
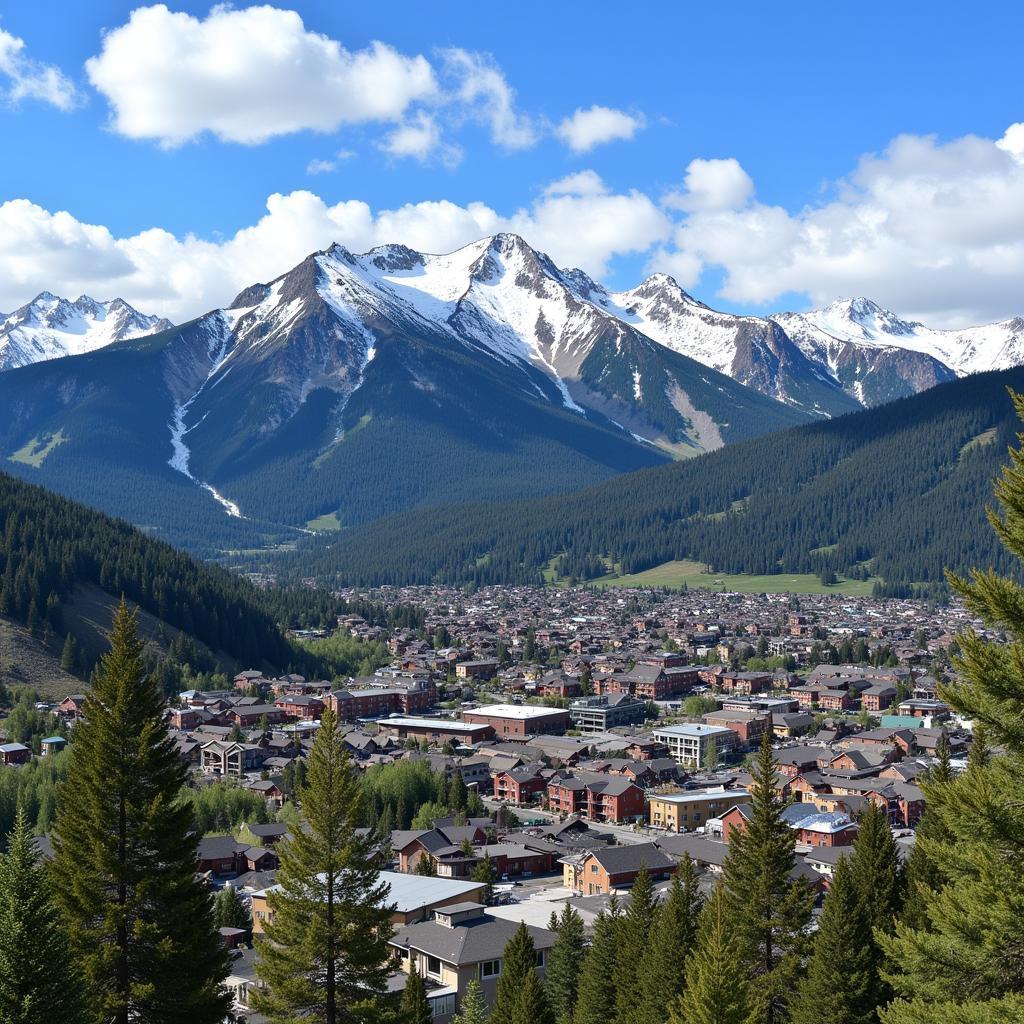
x=50, y=327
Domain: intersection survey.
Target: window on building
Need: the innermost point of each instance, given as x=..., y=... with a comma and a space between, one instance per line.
x=490, y=968
x=540, y=958
x=442, y=1005
x=434, y=966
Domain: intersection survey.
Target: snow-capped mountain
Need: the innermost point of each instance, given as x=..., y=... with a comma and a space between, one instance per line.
x=753, y=350
x=49, y=327
x=359, y=385
x=864, y=324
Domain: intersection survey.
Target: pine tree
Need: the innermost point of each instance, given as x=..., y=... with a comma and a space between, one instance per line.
x=415, y=1008
x=968, y=964
x=595, y=995
x=229, y=911
x=472, y=1009
x=69, y=654
x=717, y=989
x=457, y=793
x=924, y=876
x=517, y=962
x=325, y=957
x=634, y=932
x=663, y=968
x=841, y=982
x=875, y=868
x=483, y=871
x=37, y=981
x=769, y=909
x=140, y=924
x=531, y=1003
x=565, y=962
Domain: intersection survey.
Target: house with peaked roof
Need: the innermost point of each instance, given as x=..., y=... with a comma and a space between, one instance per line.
x=602, y=871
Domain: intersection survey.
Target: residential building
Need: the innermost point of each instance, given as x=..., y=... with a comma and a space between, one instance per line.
x=689, y=744
x=600, y=872
x=691, y=809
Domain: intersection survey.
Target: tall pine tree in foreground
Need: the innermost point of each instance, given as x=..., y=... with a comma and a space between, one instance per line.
x=924, y=876
x=140, y=924
x=717, y=990
x=518, y=963
x=472, y=1008
x=634, y=933
x=768, y=908
x=595, y=996
x=663, y=966
x=415, y=1008
x=967, y=965
x=38, y=984
x=565, y=961
x=841, y=982
x=324, y=957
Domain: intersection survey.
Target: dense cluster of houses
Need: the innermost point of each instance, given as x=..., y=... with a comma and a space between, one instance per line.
x=576, y=711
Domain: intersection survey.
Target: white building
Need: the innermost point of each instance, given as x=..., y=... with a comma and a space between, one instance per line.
x=688, y=743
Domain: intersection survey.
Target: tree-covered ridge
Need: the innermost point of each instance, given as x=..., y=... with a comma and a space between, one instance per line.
x=898, y=492
x=50, y=546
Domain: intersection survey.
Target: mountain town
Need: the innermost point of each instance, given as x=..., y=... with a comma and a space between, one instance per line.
x=511, y=515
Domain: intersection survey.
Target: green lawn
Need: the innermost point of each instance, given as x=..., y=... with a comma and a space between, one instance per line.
x=327, y=523
x=33, y=453
x=695, y=574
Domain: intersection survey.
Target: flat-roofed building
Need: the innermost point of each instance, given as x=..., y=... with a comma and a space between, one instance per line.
x=434, y=730
x=689, y=744
x=519, y=720
x=599, y=714
x=690, y=810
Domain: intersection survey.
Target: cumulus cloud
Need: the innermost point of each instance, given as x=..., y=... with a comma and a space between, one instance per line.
x=181, y=277
x=933, y=230
x=23, y=78
x=582, y=183
x=713, y=185
x=597, y=125
x=479, y=85
x=420, y=138
x=246, y=76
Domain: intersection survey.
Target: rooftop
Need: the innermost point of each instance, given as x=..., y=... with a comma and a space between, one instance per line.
x=517, y=711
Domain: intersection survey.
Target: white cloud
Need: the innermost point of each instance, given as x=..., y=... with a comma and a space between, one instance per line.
x=318, y=166
x=933, y=230
x=421, y=139
x=480, y=86
x=582, y=183
x=246, y=76
x=30, y=79
x=181, y=277
x=597, y=125
x=713, y=185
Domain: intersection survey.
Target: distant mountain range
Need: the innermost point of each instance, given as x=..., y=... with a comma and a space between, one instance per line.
x=357, y=386
x=49, y=327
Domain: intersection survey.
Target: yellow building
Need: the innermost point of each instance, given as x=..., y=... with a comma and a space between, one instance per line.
x=690, y=810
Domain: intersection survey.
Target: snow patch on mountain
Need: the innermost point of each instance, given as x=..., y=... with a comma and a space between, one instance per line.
x=50, y=327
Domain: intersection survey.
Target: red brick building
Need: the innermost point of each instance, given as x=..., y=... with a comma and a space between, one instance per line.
x=596, y=797
x=519, y=720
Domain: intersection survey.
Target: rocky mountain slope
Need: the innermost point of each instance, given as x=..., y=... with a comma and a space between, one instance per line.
x=355, y=386
x=49, y=327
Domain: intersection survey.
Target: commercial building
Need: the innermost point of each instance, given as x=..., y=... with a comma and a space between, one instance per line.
x=519, y=720
x=599, y=714
x=434, y=730
x=689, y=744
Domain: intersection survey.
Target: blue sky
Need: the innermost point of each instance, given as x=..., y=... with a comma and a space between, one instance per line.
x=783, y=101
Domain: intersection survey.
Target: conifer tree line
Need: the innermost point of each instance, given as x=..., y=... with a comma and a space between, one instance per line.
x=897, y=492
x=49, y=546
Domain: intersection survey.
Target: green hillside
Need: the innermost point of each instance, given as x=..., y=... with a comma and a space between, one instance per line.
x=896, y=493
